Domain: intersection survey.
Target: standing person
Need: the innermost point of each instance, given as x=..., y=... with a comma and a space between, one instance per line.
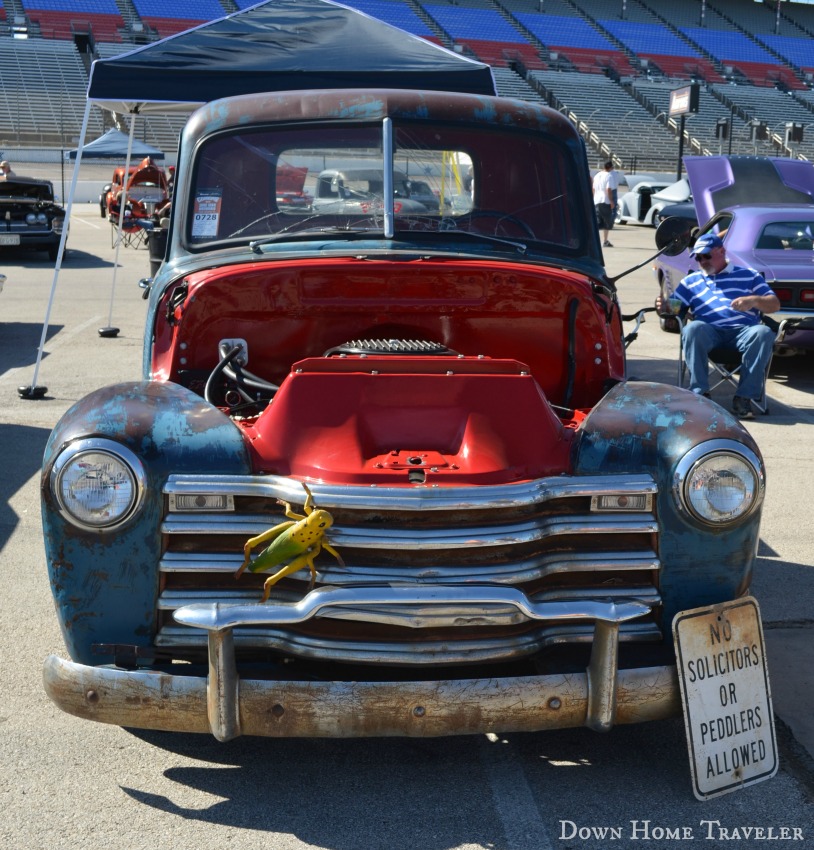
x=5, y=171
x=726, y=302
x=603, y=201
x=614, y=184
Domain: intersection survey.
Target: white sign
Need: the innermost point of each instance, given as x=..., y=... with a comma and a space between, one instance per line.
x=725, y=692
x=206, y=213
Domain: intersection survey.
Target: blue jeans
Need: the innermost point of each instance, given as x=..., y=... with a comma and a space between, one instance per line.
x=754, y=342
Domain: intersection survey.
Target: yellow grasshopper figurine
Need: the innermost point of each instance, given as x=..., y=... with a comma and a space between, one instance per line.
x=301, y=541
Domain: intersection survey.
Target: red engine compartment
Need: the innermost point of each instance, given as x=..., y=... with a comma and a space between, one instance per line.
x=523, y=338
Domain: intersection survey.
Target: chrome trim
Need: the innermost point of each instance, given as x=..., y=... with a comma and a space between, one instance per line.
x=420, y=497
x=701, y=452
x=217, y=616
x=411, y=652
x=514, y=572
x=103, y=446
x=418, y=540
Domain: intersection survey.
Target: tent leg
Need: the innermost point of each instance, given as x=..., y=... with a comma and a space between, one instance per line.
x=33, y=391
x=109, y=331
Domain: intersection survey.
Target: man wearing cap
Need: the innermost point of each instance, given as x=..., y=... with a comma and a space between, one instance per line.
x=726, y=302
x=5, y=171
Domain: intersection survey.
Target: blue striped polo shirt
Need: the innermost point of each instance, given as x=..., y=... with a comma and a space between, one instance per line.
x=710, y=296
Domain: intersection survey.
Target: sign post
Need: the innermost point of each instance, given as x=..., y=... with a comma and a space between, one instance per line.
x=725, y=693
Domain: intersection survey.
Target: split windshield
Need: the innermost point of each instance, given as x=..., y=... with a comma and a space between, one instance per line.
x=303, y=182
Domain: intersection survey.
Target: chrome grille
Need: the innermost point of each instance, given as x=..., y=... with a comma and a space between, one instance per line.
x=539, y=536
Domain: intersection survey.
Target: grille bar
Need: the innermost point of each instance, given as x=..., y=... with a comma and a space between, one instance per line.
x=539, y=540
x=490, y=497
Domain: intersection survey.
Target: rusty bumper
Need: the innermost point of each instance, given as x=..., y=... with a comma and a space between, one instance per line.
x=227, y=705
x=150, y=700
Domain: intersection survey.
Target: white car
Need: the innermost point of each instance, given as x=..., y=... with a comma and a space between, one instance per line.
x=646, y=198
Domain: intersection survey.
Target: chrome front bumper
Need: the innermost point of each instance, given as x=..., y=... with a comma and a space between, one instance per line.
x=228, y=706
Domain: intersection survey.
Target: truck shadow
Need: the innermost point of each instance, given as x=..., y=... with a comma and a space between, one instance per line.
x=21, y=451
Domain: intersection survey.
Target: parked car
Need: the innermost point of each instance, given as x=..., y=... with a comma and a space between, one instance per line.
x=290, y=189
x=684, y=211
x=360, y=190
x=435, y=505
x=147, y=190
x=763, y=209
x=30, y=216
x=646, y=198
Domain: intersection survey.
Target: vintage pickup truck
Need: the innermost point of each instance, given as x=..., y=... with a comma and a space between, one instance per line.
x=483, y=525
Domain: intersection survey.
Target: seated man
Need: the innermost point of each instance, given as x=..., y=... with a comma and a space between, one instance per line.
x=726, y=303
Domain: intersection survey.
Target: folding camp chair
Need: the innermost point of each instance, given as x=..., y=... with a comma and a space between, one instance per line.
x=725, y=362
x=134, y=232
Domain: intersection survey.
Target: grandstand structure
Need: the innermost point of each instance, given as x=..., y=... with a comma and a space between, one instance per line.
x=609, y=65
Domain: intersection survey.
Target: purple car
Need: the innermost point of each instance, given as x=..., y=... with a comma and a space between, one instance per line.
x=763, y=209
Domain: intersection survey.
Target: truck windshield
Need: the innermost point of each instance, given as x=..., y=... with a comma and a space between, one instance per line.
x=260, y=183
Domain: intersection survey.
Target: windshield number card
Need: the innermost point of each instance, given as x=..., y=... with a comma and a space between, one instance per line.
x=206, y=214
x=725, y=693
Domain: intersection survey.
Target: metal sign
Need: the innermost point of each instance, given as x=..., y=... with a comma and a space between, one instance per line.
x=725, y=693
x=684, y=100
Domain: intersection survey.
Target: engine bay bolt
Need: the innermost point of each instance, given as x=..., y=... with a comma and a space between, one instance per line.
x=92, y=697
x=419, y=711
x=555, y=703
x=277, y=710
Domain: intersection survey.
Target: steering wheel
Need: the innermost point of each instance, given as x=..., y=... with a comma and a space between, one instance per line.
x=503, y=218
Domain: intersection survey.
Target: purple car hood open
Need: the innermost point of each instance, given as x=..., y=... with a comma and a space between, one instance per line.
x=720, y=182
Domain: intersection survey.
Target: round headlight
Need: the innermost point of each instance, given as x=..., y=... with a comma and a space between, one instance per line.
x=31, y=218
x=42, y=218
x=97, y=483
x=719, y=482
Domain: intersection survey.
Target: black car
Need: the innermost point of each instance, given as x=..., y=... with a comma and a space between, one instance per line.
x=29, y=216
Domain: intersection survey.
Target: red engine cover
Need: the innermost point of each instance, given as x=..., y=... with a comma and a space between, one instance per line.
x=410, y=420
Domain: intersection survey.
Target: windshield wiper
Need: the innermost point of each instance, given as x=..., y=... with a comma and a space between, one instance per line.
x=452, y=234
x=348, y=232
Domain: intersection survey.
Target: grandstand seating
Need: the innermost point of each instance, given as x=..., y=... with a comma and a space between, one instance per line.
x=42, y=98
x=396, y=13
x=628, y=130
x=774, y=108
x=168, y=17
x=586, y=48
x=61, y=19
x=636, y=53
x=467, y=25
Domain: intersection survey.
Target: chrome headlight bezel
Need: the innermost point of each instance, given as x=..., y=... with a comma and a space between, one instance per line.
x=689, y=470
x=127, y=463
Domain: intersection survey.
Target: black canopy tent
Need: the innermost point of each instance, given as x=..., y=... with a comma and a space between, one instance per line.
x=277, y=45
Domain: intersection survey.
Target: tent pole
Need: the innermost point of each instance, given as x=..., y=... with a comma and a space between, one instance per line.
x=34, y=391
x=109, y=330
